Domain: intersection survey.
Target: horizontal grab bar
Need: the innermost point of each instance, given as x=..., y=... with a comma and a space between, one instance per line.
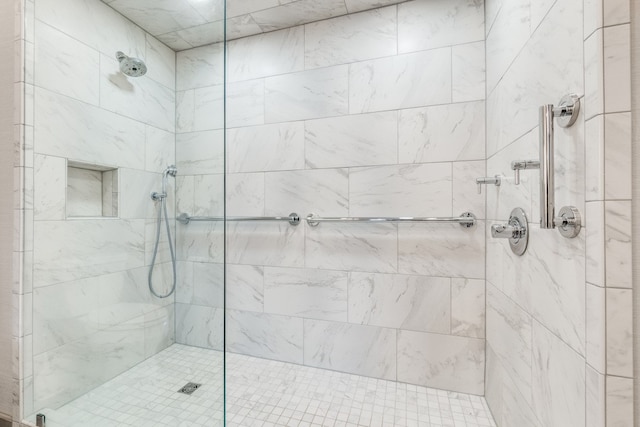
x=466, y=219
x=292, y=219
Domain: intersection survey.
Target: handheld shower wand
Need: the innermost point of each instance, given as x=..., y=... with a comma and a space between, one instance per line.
x=162, y=198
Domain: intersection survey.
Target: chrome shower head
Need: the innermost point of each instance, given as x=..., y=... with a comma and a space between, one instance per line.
x=171, y=170
x=132, y=67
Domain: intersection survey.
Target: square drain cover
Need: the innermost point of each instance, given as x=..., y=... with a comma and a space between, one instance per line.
x=189, y=388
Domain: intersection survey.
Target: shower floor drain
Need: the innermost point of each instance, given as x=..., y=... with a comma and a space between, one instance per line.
x=189, y=388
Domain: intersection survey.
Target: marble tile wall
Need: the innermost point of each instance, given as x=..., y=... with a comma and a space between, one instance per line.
x=87, y=311
x=559, y=318
x=376, y=113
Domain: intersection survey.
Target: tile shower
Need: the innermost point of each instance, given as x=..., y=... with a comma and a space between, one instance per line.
x=346, y=109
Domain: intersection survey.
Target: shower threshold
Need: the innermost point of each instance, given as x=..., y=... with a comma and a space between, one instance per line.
x=261, y=393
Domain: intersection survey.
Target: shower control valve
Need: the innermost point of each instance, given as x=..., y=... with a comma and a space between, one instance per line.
x=516, y=230
x=155, y=196
x=486, y=180
x=518, y=165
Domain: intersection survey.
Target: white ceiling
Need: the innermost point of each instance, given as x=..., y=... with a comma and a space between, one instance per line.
x=183, y=24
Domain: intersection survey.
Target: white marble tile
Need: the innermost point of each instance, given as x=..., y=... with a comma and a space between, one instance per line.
x=88, y=247
x=596, y=326
x=245, y=194
x=431, y=24
x=185, y=111
x=199, y=326
x=278, y=52
x=200, y=67
x=245, y=103
x=161, y=63
x=75, y=130
x=307, y=95
x=618, y=243
x=442, y=133
x=402, y=81
x=185, y=194
x=465, y=190
x=415, y=303
x=272, y=244
x=356, y=349
x=404, y=190
x=616, y=12
x=307, y=293
x=160, y=150
x=200, y=152
x=595, y=243
x=200, y=242
x=468, y=72
x=441, y=361
x=208, y=199
x=617, y=156
x=361, y=247
x=593, y=16
x=237, y=8
x=594, y=74
x=279, y=146
x=620, y=402
x=509, y=330
x=135, y=188
x=298, y=12
x=265, y=335
x=351, y=38
x=159, y=330
x=360, y=5
x=595, y=161
x=322, y=191
x=595, y=398
x=619, y=323
x=558, y=380
x=242, y=26
x=617, y=69
x=158, y=17
x=211, y=32
x=174, y=41
x=84, y=192
x=245, y=287
x=137, y=98
x=208, y=284
x=209, y=108
x=352, y=140
x=95, y=24
x=468, y=308
x=506, y=38
x=65, y=65
x=49, y=187
x=441, y=250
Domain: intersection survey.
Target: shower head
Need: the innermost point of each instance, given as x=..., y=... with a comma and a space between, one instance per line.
x=132, y=67
x=171, y=170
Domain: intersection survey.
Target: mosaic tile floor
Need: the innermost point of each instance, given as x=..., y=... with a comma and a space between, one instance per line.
x=261, y=393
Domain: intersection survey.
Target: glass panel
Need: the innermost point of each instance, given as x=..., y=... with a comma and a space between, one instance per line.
x=126, y=102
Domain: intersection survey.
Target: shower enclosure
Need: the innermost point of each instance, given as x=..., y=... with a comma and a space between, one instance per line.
x=247, y=212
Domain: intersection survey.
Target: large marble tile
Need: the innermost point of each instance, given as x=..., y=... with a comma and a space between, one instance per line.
x=159, y=16
x=208, y=285
x=441, y=250
x=596, y=328
x=185, y=111
x=465, y=189
x=347, y=247
x=141, y=99
x=208, y=105
x=356, y=349
x=160, y=149
x=415, y=303
x=360, y=5
x=441, y=361
x=617, y=68
x=200, y=67
x=211, y=32
x=244, y=103
x=595, y=400
x=161, y=63
x=351, y=38
x=441, y=133
x=200, y=242
x=620, y=402
x=594, y=73
x=619, y=332
x=298, y=12
x=468, y=72
x=69, y=128
x=352, y=140
x=159, y=330
x=404, y=190
x=594, y=162
x=199, y=326
x=49, y=187
x=135, y=189
x=65, y=65
x=200, y=152
x=245, y=194
x=618, y=243
x=244, y=287
x=279, y=146
x=83, y=248
x=84, y=192
x=617, y=156
x=208, y=199
x=402, y=81
x=324, y=192
x=308, y=293
x=278, y=52
x=595, y=244
x=468, y=307
x=431, y=24
x=558, y=380
x=307, y=95
x=265, y=335
x=265, y=243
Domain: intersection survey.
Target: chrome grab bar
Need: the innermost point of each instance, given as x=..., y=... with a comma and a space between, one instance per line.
x=292, y=219
x=466, y=219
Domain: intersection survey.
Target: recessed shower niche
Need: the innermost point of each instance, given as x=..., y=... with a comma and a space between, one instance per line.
x=92, y=190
